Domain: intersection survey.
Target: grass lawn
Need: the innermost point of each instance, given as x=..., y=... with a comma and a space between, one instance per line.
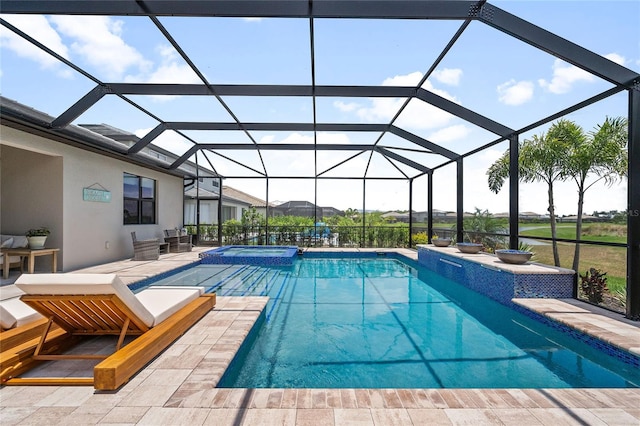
x=611, y=260
x=609, y=233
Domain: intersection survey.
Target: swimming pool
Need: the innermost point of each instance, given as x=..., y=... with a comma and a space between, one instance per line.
x=382, y=323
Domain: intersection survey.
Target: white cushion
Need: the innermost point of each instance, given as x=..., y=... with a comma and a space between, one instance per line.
x=20, y=241
x=7, y=243
x=163, y=302
x=20, y=311
x=180, y=287
x=84, y=284
x=9, y=292
x=7, y=320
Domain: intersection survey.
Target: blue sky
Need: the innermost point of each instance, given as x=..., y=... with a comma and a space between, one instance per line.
x=487, y=71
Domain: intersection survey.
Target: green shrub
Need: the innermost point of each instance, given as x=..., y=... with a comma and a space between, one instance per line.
x=420, y=238
x=593, y=284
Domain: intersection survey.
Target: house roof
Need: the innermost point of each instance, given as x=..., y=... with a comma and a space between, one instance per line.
x=296, y=204
x=101, y=138
x=236, y=194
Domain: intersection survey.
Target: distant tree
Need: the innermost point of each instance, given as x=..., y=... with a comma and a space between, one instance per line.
x=542, y=159
x=482, y=227
x=352, y=213
x=601, y=152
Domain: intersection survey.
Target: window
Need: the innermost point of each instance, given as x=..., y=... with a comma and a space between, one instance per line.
x=139, y=200
x=228, y=213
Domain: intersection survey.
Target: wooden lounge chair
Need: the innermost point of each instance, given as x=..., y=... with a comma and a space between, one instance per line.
x=177, y=243
x=100, y=304
x=19, y=323
x=145, y=249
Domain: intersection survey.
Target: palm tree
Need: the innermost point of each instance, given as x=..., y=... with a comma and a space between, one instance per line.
x=601, y=152
x=542, y=159
x=483, y=228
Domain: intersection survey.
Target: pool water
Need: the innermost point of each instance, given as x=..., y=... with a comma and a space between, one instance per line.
x=381, y=323
x=251, y=255
x=241, y=251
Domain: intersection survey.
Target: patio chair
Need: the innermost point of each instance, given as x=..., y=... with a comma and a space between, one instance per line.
x=145, y=249
x=178, y=243
x=98, y=305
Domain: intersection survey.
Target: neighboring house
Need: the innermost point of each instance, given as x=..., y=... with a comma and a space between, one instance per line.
x=441, y=213
x=396, y=217
x=304, y=209
x=585, y=218
x=531, y=216
x=521, y=216
x=235, y=202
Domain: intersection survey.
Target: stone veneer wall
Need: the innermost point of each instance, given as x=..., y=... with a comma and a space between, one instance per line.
x=499, y=284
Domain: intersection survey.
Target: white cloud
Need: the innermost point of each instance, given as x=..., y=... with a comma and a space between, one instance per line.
x=411, y=79
x=170, y=70
x=416, y=115
x=489, y=156
x=618, y=59
x=450, y=76
x=564, y=76
x=98, y=40
x=169, y=140
x=346, y=107
x=449, y=134
x=421, y=115
x=333, y=138
x=515, y=93
x=381, y=109
x=37, y=27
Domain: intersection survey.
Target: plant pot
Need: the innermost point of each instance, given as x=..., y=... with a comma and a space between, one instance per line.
x=441, y=242
x=37, y=242
x=470, y=248
x=517, y=257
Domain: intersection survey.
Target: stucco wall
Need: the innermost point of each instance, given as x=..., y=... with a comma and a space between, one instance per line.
x=81, y=229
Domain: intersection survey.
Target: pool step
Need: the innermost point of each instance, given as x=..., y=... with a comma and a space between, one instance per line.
x=249, y=281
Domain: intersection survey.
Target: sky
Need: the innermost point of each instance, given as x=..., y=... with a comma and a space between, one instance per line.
x=486, y=71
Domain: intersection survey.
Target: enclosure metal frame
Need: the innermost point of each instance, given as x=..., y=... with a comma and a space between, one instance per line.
x=464, y=11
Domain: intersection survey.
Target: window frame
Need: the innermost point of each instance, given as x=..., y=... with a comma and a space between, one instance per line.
x=144, y=203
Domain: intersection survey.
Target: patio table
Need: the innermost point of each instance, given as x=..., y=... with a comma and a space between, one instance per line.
x=30, y=254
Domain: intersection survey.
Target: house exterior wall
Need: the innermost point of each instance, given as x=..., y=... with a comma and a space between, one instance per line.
x=237, y=208
x=208, y=212
x=87, y=232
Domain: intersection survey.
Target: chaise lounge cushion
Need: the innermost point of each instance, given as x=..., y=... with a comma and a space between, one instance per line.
x=14, y=312
x=161, y=301
x=150, y=306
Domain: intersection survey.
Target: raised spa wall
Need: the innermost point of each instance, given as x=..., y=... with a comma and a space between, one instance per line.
x=488, y=275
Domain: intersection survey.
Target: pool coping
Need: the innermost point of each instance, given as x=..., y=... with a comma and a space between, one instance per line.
x=492, y=261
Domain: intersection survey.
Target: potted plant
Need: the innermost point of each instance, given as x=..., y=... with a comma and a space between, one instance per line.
x=37, y=237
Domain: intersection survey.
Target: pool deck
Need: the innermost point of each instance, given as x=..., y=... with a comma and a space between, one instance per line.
x=178, y=386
